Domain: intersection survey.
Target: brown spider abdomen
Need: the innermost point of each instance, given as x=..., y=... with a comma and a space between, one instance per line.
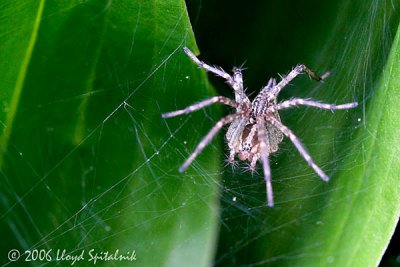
x=249, y=146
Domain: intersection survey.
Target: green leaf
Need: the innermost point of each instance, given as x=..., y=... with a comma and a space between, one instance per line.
x=364, y=207
x=87, y=162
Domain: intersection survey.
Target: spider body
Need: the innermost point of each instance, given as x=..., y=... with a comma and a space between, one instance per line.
x=255, y=129
x=242, y=134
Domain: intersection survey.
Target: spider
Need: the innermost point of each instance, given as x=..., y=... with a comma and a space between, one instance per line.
x=255, y=129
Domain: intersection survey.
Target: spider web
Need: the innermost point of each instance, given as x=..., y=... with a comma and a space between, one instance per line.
x=126, y=193
x=252, y=235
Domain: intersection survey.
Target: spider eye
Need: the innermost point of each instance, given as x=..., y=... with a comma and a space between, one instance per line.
x=246, y=146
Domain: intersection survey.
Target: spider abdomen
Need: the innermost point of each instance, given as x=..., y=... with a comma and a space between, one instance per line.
x=249, y=146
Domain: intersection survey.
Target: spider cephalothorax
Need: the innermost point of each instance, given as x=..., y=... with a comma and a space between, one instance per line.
x=242, y=134
x=255, y=129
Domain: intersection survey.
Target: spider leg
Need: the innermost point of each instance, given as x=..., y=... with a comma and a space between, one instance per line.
x=237, y=85
x=271, y=83
x=262, y=98
x=231, y=161
x=253, y=162
x=200, y=105
x=232, y=157
x=299, y=69
x=235, y=81
x=264, y=153
x=218, y=71
x=206, y=139
x=311, y=103
x=296, y=142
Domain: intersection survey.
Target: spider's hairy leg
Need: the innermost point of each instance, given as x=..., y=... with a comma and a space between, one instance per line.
x=238, y=76
x=296, y=142
x=237, y=85
x=218, y=71
x=232, y=157
x=311, y=103
x=302, y=68
x=235, y=81
x=200, y=105
x=206, y=139
x=231, y=160
x=271, y=83
x=253, y=162
x=233, y=137
x=299, y=69
x=261, y=100
x=264, y=153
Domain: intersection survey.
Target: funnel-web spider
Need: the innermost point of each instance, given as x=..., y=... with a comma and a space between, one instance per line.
x=255, y=129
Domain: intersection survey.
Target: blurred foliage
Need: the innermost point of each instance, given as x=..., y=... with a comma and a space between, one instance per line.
x=86, y=160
